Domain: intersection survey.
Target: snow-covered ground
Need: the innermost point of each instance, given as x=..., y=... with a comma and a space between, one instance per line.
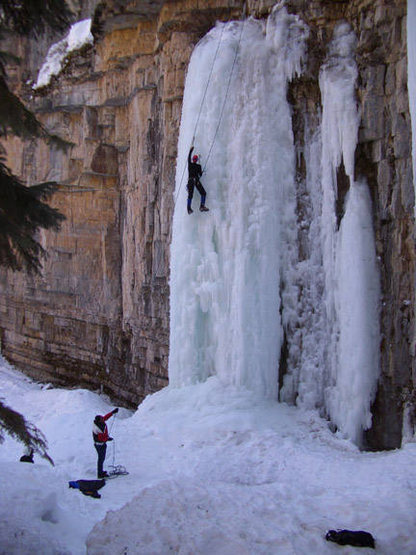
x=212, y=470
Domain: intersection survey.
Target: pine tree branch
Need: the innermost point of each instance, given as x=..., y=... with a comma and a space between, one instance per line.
x=8, y=58
x=22, y=214
x=14, y=424
x=16, y=119
x=33, y=16
x=23, y=211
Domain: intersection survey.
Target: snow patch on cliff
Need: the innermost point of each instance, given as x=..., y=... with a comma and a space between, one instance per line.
x=79, y=35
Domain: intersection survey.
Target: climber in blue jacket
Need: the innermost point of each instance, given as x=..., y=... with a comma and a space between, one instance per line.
x=194, y=173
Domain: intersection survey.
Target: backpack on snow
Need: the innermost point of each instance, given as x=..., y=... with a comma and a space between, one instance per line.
x=357, y=538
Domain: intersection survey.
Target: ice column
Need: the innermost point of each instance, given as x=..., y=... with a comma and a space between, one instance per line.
x=352, y=281
x=226, y=265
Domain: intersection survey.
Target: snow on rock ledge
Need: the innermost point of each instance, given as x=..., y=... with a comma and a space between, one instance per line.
x=79, y=35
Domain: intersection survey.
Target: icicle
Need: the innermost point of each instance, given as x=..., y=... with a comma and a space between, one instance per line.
x=352, y=280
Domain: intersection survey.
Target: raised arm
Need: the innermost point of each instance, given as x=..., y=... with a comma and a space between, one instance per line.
x=110, y=414
x=190, y=154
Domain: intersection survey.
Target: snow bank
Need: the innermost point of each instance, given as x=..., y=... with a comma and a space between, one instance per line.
x=79, y=35
x=251, y=477
x=212, y=470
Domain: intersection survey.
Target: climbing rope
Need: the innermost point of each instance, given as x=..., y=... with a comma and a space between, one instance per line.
x=223, y=104
x=226, y=95
x=208, y=82
x=199, y=115
x=116, y=469
x=113, y=442
x=200, y=107
x=193, y=137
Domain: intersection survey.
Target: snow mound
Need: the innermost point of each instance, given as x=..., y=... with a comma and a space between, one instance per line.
x=176, y=517
x=34, y=520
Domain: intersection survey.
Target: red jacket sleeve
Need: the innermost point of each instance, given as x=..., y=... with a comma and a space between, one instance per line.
x=107, y=416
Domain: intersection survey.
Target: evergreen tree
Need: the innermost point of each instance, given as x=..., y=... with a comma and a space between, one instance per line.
x=14, y=424
x=23, y=210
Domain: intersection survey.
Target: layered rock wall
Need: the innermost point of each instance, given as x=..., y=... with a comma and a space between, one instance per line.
x=99, y=314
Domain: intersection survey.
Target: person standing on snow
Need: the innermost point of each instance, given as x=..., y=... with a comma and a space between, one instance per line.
x=100, y=436
x=194, y=173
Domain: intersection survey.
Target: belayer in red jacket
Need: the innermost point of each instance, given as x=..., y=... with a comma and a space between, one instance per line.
x=100, y=436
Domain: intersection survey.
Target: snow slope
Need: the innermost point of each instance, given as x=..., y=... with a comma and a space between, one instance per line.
x=213, y=470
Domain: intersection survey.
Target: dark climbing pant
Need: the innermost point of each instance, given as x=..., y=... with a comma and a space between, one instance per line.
x=192, y=183
x=101, y=450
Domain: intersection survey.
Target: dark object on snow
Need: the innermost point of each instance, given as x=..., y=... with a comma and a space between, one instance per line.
x=88, y=487
x=27, y=457
x=350, y=537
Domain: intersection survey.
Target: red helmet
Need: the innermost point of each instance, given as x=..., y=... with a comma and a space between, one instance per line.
x=195, y=158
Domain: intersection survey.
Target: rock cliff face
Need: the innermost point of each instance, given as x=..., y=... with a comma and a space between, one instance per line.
x=99, y=314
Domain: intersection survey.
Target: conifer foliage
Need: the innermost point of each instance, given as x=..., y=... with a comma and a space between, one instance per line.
x=23, y=209
x=14, y=424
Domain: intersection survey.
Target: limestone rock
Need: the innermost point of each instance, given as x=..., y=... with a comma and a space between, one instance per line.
x=98, y=316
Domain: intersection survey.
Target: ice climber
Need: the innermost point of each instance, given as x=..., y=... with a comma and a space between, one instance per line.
x=100, y=436
x=194, y=173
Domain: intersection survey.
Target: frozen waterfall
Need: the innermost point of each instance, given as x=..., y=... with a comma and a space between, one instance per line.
x=352, y=290
x=226, y=265
x=237, y=284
